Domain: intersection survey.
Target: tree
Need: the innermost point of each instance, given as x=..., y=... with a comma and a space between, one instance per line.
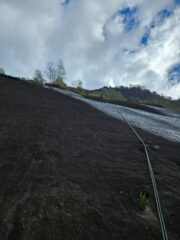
x=60, y=71
x=55, y=73
x=50, y=71
x=38, y=78
x=77, y=83
x=2, y=71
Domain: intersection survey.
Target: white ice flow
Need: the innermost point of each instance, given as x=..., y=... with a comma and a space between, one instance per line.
x=165, y=126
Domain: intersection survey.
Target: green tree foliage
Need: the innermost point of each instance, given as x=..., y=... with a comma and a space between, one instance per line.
x=107, y=94
x=114, y=95
x=78, y=87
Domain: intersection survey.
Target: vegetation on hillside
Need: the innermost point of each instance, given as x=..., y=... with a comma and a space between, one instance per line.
x=38, y=78
x=135, y=94
x=140, y=95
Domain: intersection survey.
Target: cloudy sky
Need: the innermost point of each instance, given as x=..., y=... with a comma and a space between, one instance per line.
x=102, y=42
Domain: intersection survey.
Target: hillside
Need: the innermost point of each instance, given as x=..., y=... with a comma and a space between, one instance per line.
x=134, y=95
x=68, y=171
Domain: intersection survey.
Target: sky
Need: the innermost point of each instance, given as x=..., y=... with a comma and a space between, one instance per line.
x=101, y=42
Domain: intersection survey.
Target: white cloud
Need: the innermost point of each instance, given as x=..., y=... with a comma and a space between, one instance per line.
x=92, y=43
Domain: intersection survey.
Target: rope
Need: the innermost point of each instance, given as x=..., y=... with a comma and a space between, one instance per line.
x=158, y=204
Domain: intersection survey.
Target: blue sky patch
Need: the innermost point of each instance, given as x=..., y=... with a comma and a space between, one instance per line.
x=174, y=74
x=163, y=14
x=145, y=38
x=66, y=2
x=177, y=2
x=160, y=17
x=129, y=18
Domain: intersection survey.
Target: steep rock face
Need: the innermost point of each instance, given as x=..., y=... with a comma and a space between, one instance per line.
x=68, y=171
